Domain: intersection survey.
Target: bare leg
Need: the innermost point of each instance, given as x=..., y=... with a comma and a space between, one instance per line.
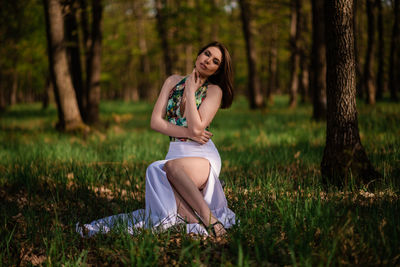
x=184, y=209
x=188, y=176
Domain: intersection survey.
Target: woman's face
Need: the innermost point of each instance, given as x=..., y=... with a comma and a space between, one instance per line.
x=208, y=61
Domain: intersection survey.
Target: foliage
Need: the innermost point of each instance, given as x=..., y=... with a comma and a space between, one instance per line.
x=49, y=181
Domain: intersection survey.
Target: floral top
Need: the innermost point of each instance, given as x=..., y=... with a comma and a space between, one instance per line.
x=174, y=115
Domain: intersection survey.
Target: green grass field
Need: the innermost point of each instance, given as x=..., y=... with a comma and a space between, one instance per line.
x=49, y=181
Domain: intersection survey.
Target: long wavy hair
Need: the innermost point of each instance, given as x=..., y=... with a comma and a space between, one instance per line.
x=224, y=75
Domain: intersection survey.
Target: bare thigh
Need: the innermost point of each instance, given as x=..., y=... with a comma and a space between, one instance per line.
x=196, y=168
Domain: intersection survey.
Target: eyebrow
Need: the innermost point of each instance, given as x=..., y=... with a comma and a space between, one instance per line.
x=212, y=54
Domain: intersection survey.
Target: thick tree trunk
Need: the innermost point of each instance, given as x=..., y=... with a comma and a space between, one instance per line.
x=369, y=82
x=318, y=61
x=344, y=156
x=162, y=31
x=356, y=32
x=295, y=54
x=66, y=99
x=381, y=52
x=256, y=97
x=94, y=64
x=394, y=60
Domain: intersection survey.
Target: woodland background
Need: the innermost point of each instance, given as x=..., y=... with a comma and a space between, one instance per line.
x=313, y=80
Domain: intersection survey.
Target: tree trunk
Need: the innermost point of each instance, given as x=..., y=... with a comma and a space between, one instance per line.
x=303, y=77
x=369, y=57
x=394, y=60
x=272, y=64
x=295, y=55
x=256, y=97
x=94, y=64
x=74, y=54
x=162, y=31
x=14, y=88
x=356, y=32
x=87, y=43
x=216, y=20
x=144, y=86
x=47, y=93
x=381, y=53
x=69, y=117
x=3, y=102
x=344, y=156
x=318, y=62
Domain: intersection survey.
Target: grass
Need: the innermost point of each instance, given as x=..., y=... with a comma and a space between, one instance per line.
x=49, y=181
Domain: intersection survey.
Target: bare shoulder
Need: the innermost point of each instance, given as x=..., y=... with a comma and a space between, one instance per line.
x=214, y=89
x=172, y=80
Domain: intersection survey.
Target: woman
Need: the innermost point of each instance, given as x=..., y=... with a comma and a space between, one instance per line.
x=185, y=187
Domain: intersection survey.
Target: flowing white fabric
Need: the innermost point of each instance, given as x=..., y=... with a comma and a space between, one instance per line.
x=161, y=210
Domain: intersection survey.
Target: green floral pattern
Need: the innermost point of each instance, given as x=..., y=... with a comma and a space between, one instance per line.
x=174, y=115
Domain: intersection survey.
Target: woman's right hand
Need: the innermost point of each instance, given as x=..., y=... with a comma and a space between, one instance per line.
x=202, y=138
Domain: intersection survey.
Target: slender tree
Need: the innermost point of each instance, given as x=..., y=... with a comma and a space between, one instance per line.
x=318, y=61
x=163, y=33
x=272, y=64
x=369, y=84
x=304, y=56
x=394, y=63
x=381, y=52
x=344, y=156
x=144, y=86
x=73, y=51
x=294, y=49
x=255, y=93
x=93, y=65
x=69, y=116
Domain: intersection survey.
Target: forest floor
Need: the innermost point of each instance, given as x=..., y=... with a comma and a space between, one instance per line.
x=270, y=164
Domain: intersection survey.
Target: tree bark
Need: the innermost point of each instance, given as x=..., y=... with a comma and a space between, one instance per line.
x=94, y=64
x=344, y=156
x=369, y=57
x=256, y=98
x=70, y=119
x=74, y=54
x=318, y=61
x=162, y=31
x=356, y=32
x=381, y=53
x=295, y=54
x=394, y=60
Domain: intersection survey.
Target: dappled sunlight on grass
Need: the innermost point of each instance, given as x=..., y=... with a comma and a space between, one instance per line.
x=270, y=164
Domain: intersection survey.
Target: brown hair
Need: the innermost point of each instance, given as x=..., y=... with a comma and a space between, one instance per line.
x=224, y=74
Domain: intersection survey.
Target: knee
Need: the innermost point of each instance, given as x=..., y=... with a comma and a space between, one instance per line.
x=170, y=168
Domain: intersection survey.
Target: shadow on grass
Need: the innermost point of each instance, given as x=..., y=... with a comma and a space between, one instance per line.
x=34, y=217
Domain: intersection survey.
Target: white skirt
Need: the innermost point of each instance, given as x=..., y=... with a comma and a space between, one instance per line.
x=161, y=211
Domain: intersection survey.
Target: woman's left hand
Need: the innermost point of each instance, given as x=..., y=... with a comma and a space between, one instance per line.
x=194, y=81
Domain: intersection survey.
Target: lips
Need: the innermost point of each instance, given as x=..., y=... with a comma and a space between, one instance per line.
x=203, y=66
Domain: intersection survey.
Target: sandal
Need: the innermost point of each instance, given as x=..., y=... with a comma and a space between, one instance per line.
x=211, y=229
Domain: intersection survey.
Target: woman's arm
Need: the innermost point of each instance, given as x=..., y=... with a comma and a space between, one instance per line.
x=198, y=120
x=158, y=122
